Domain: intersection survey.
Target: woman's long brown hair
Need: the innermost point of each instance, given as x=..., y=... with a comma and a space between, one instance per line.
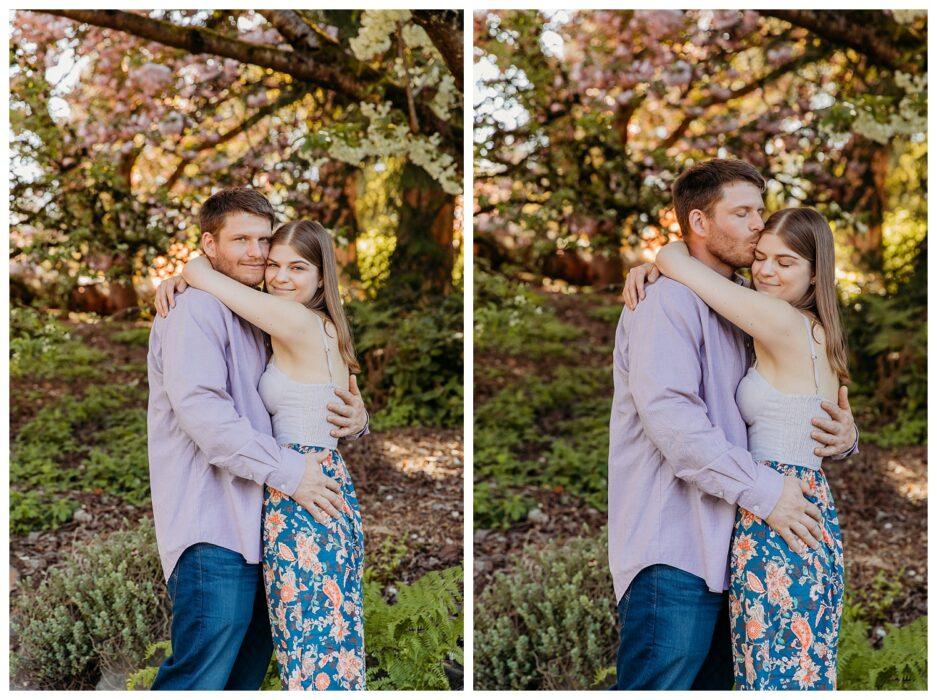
x=314, y=243
x=808, y=234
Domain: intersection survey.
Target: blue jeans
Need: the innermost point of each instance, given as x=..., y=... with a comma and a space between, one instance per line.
x=220, y=628
x=674, y=633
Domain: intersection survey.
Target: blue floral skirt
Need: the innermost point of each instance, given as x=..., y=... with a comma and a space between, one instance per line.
x=785, y=609
x=312, y=575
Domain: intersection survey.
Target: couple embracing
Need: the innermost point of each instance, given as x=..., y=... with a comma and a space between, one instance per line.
x=724, y=545
x=257, y=522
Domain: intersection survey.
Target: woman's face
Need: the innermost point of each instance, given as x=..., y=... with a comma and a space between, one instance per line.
x=779, y=271
x=291, y=276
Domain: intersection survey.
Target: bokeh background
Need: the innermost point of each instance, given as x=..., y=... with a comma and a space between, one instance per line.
x=122, y=123
x=582, y=121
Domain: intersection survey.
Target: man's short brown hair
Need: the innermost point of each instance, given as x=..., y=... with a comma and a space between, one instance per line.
x=700, y=187
x=233, y=200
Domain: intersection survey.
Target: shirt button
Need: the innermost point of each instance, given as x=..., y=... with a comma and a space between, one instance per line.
x=720, y=494
x=250, y=476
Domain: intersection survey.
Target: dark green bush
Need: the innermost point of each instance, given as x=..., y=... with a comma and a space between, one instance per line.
x=411, y=360
x=99, y=608
x=551, y=623
x=138, y=336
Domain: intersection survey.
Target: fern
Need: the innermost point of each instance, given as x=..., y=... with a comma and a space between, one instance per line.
x=409, y=640
x=900, y=664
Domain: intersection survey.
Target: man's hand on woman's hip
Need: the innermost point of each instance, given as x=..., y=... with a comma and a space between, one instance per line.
x=319, y=494
x=796, y=519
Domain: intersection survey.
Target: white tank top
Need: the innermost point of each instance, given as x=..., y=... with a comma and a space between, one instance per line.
x=298, y=410
x=779, y=424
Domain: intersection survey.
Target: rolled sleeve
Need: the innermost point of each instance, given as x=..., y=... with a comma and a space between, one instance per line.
x=195, y=379
x=665, y=374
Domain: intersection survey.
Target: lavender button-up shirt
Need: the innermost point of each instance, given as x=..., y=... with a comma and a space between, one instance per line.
x=678, y=461
x=210, y=442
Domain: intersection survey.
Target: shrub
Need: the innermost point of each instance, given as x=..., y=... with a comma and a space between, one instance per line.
x=551, y=623
x=410, y=639
x=412, y=361
x=42, y=348
x=139, y=337
x=99, y=608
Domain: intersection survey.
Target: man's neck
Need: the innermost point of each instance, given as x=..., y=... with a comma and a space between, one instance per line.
x=699, y=251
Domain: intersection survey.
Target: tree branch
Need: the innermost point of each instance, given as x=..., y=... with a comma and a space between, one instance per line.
x=444, y=28
x=844, y=29
x=299, y=65
x=288, y=97
x=711, y=100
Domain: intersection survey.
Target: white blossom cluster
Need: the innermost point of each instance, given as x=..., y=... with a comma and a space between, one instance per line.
x=909, y=118
x=376, y=28
x=384, y=138
x=907, y=16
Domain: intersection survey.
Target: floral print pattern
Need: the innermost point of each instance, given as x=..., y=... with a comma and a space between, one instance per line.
x=312, y=575
x=785, y=609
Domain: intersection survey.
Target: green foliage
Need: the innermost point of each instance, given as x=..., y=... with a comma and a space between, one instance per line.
x=511, y=319
x=384, y=560
x=139, y=337
x=82, y=443
x=42, y=348
x=547, y=432
x=99, y=608
x=143, y=679
x=887, y=336
x=900, y=663
x=410, y=639
x=411, y=360
x=549, y=624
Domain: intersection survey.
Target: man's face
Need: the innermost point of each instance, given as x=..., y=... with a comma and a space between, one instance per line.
x=240, y=247
x=735, y=223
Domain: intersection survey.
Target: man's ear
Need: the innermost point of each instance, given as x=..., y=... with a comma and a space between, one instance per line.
x=209, y=245
x=697, y=221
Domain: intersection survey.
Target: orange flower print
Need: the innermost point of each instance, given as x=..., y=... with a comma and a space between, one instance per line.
x=274, y=522
x=295, y=681
x=755, y=625
x=349, y=665
x=735, y=608
x=306, y=551
x=288, y=589
x=754, y=583
x=332, y=592
x=274, y=496
x=747, y=650
x=801, y=629
x=744, y=549
x=807, y=674
x=747, y=518
x=778, y=584
x=286, y=553
x=339, y=628
x=322, y=681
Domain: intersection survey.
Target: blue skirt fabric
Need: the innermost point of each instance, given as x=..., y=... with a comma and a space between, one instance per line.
x=785, y=609
x=312, y=575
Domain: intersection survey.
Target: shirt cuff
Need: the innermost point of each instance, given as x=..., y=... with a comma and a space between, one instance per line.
x=291, y=471
x=366, y=430
x=764, y=494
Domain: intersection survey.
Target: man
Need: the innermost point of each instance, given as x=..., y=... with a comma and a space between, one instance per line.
x=211, y=451
x=678, y=460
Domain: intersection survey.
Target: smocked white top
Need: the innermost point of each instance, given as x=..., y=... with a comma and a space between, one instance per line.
x=297, y=409
x=779, y=424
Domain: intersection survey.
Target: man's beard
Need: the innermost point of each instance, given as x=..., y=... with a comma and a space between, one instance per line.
x=727, y=251
x=236, y=272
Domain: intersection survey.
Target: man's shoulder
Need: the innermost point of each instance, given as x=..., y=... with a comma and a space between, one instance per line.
x=195, y=302
x=672, y=297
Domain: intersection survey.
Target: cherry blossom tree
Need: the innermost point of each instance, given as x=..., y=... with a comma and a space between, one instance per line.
x=583, y=119
x=124, y=121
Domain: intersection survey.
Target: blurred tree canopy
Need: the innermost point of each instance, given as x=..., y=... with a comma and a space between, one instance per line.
x=123, y=122
x=583, y=120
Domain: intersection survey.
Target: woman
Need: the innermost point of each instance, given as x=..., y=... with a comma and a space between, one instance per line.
x=312, y=562
x=785, y=605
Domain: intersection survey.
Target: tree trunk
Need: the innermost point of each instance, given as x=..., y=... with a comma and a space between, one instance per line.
x=422, y=259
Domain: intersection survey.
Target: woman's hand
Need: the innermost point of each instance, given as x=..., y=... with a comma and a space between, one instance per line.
x=638, y=276
x=166, y=294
